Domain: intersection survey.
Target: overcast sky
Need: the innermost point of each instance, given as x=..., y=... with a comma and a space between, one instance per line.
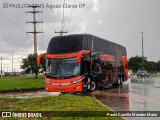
x=120, y=21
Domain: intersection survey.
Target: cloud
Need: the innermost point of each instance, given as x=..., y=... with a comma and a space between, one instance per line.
x=119, y=21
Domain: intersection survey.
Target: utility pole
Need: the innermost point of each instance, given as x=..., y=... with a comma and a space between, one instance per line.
x=142, y=51
x=1, y=67
x=61, y=32
x=34, y=22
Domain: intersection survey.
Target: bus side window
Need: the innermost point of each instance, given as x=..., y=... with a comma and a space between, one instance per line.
x=96, y=65
x=85, y=67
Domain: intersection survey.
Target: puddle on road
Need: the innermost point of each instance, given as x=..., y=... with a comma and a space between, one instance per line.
x=33, y=94
x=115, y=98
x=133, y=95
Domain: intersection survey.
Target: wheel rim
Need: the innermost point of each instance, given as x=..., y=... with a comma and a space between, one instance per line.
x=93, y=86
x=120, y=81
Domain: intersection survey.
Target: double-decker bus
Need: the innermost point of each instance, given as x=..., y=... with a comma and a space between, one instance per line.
x=83, y=62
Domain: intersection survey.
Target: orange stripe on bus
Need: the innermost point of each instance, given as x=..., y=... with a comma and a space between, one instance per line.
x=106, y=57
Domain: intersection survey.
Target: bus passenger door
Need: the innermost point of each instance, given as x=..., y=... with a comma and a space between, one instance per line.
x=85, y=68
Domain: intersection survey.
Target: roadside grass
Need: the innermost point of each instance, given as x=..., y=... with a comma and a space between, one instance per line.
x=67, y=102
x=20, y=83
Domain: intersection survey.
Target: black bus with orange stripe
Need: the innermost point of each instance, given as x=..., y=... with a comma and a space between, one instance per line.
x=83, y=62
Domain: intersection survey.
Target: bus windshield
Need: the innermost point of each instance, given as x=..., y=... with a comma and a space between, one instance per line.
x=61, y=68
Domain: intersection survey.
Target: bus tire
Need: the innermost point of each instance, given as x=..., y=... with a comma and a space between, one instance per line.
x=93, y=85
x=120, y=82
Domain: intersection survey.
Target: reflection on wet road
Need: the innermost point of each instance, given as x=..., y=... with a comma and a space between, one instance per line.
x=134, y=95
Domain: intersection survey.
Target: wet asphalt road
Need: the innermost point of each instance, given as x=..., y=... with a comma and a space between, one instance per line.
x=134, y=95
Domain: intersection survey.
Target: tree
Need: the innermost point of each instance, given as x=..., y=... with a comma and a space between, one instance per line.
x=151, y=66
x=29, y=64
x=135, y=63
x=158, y=66
x=43, y=64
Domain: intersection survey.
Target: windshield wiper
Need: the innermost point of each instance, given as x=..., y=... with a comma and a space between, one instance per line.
x=68, y=75
x=52, y=75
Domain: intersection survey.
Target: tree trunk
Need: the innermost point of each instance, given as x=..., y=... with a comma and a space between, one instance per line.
x=36, y=76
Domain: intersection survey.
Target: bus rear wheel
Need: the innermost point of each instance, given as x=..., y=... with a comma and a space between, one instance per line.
x=120, y=82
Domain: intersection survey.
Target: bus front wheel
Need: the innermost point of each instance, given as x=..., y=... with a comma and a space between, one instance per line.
x=93, y=85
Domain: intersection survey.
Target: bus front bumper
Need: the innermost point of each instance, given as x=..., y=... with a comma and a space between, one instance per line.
x=66, y=85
